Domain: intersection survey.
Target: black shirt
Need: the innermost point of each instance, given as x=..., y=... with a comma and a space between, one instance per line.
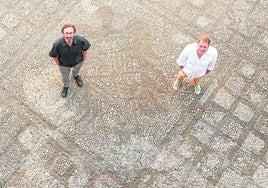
x=69, y=56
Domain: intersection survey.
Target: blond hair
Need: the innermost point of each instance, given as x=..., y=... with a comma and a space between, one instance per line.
x=204, y=38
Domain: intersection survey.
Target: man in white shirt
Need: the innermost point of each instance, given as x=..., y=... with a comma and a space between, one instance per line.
x=195, y=61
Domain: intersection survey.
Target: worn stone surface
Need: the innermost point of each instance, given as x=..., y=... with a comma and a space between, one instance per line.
x=127, y=127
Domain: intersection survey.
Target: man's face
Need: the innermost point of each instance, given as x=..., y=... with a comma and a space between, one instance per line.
x=68, y=34
x=202, y=48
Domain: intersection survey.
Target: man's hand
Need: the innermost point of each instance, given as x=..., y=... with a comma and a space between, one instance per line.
x=208, y=71
x=56, y=60
x=84, y=55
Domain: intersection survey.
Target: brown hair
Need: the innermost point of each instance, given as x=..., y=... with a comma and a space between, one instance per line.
x=204, y=38
x=68, y=25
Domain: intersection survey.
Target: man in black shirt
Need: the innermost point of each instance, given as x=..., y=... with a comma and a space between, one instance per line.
x=69, y=52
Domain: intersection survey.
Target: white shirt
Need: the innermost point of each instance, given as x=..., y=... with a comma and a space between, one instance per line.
x=195, y=67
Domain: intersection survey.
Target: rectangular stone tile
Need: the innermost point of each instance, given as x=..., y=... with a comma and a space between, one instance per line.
x=104, y=180
x=257, y=96
x=71, y=164
x=262, y=38
x=3, y=34
x=52, y=6
x=266, y=157
x=182, y=172
x=213, y=165
x=233, y=128
x=126, y=158
x=62, y=167
x=244, y=112
x=10, y=2
x=257, y=52
x=238, y=44
x=6, y=141
x=177, y=177
x=34, y=174
x=245, y=162
x=31, y=138
x=187, y=12
x=232, y=179
x=166, y=160
x=213, y=115
x=5, y=172
x=11, y=20
x=247, y=69
x=196, y=179
x=14, y=124
x=187, y=148
x=12, y=47
x=254, y=144
x=223, y=31
x=23, y=8
x=3, y=10
x=18, y=181
x=56, y=161
x=208, y=92
x=48, y=166
x=25, y=31
x=215, y=8
x=239, y=10
x=10, y=161
x=203, y=132
x=161, y=180
x=235, y=84
x=35, y=18
x=224, y=145
x=247, y=30
x=153, y=127
x=259, y=15
x=261, y=125
x=48, y=152
x=262, y=78
x=261, y=176
x=204, y=22
x=224, y=99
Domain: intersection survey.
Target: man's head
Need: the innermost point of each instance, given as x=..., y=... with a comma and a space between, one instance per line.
x=203, y=44
x=68, y=31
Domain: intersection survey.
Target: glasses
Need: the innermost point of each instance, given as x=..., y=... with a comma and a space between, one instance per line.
x=70, y=33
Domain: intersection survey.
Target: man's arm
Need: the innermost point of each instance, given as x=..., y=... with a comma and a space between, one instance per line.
x=56, y=60
x=85, y=54
x=214, y=54
x=183, y=56
x=54, y=54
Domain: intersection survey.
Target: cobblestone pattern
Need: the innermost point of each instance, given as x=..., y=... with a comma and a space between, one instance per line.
x=127, y=127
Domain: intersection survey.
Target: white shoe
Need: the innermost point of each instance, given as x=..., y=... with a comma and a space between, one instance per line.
x=197, y=89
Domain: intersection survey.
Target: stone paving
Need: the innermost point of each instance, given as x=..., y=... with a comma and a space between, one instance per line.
x=127, y=127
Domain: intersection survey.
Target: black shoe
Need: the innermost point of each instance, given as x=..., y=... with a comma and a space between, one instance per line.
x=79, y=81
x=64, y=92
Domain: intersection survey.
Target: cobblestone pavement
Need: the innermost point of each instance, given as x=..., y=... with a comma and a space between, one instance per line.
x=127, y=127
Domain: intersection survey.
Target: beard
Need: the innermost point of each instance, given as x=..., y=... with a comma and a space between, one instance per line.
x=69, y=39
